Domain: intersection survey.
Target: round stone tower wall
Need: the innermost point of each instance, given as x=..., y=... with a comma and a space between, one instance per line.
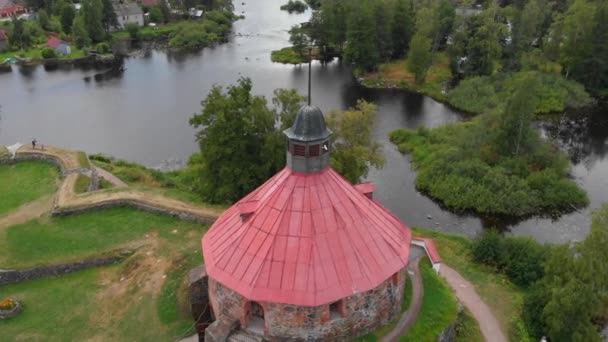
x=342, y=320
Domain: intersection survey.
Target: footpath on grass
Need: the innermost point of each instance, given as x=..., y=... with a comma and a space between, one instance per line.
x=67, y=201
x=465, y=291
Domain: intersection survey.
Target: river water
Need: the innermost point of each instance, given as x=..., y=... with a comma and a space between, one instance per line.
x=142, y=115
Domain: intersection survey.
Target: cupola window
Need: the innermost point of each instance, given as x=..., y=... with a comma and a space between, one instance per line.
x=299, y=150
x=313, y=150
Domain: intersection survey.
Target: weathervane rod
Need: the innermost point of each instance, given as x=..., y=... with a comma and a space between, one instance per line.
x=309, y=73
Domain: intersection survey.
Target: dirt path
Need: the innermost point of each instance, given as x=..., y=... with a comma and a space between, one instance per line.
x=409, y=317
x=465, y=291
x=27, y=212
x=110, y=177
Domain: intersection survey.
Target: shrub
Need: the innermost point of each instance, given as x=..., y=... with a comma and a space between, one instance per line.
x=487, y=248
x=522, y=260
x=294, y=6
x=48, y=53
x=134, y=31
x=103, y=48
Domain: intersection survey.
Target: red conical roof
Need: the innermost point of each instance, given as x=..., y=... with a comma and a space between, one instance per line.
x=305, y=239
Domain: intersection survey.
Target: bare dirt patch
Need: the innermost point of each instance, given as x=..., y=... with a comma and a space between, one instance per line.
x=142, y=275
x=27, y=212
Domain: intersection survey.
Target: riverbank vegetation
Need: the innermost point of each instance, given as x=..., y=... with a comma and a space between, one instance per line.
x=25, y=182
x=96, y=23
x=494, y=164
x=486, y=48
x=296, y=6
x=563, y=283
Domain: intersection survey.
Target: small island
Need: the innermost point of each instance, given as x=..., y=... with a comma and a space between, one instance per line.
x=296, y=6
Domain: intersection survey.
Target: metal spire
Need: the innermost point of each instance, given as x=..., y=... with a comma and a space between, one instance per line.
x=309, y=74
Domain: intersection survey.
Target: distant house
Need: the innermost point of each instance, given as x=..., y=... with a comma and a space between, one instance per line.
x=127, y=13
x=61, y=47
x=9, y=8
x=3, y=41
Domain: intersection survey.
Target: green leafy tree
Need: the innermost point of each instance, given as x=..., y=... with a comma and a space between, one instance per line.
x=362, y=51
x=164, y=8
x=93, y=19
x=287, y=103
x=384, y=38
x=515, y=133
x=239, y=145
x=18, y=38
x=109, y=18
x=354, y=149
x=420, y=57
x=80, y=32
x=43, y=19
x=334, y=18
x=402, y=27
x=67, y=17
x=298, y=40
x=156, y=15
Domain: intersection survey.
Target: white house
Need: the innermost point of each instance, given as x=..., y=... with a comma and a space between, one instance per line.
x=127, y=13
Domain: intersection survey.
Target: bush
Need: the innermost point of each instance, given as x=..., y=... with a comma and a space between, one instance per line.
x=522, y=260
x=48, y=53
x=103, y=48
x=487, y=248
x=191, y=35
x=294, y=6
x=134, y=31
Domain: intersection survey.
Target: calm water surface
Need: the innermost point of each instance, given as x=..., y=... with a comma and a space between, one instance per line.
x=142, y=115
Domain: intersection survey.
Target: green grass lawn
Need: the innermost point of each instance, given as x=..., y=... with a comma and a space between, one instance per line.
x=72, y=308
x=25, y=182
x=504, y=298
x=143, y=298
x=439, y=308
x=68, y=238
x=36, y=53
x=82, y=184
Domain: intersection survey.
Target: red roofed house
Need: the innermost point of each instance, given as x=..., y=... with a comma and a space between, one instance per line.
x=59, y=46
x=307, y=255
x=3, y=41
x=9, y=9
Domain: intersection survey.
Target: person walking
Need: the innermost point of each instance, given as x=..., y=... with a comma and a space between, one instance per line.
x=34, y=143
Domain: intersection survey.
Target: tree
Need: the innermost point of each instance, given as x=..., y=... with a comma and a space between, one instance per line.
x=298, y=39
x=239, y=145
x=43, y=19
x=334, y=16
x=419, y=57
x=362, y=50
x=109, y=18
x=515, y=134
x=483, y=47
x=17, y=38
x=164, y=8
x=402, y=27
x=384, y=38
x=80, y=32
x=93, y=15
x=354, y=149
x=156, y=15
x=67, y=18
x=287, y=103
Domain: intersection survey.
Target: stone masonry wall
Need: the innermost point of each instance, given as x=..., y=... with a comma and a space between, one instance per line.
x=359, y=314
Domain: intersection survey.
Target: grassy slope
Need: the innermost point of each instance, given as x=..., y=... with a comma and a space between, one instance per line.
x=504, y=298
x=395, y=74
x=439, y=308
x=74, y=307
x=25, y=182
x=80, y=236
